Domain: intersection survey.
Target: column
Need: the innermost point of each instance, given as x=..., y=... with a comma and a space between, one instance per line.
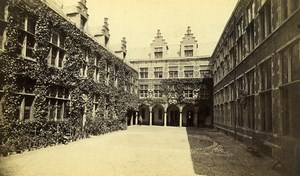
x=150, y=116
x=180, y=119
x=136, y=118
x=131, y=120
x=165, y=118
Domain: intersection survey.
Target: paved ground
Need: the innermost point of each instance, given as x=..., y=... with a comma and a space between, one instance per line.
x=142, y=150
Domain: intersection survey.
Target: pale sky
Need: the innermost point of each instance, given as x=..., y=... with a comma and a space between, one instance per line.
x=138, y=20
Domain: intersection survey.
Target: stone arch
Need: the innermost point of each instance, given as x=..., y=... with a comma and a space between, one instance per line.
x=130, y=116
x=144, y=112
x=188, y=116
x=158, y=115
x=173, y=115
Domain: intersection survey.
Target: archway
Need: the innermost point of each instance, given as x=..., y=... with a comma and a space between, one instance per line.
x=188, y=116
x=173, y=116
x=204, y=115
x=158, y=115
x=130, y=117
x=144, y=112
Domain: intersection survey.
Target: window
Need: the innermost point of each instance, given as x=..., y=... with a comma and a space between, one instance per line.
x=57, y=52
x=293, y=5
x=188, y=51
x=143, y=72
x=97, y=69
x=2, y=23
x=58, y=99
x=115, y=76
x=265, y=75
x=188, y=71
x=250, y=12
x=2, y=9
x=250, y=37
x=240, y=42
x=158, y=72
x=250, y=82
x=188, y=92
x=2, y=35
x=25, y=87
x=26, y=37
x=204, y=71
x=84, y=67
x=157, y=91
x=96, y=100
x=158, y=52
x=290, y=112
x=290, y=59
x=266, y=96
x=295, y=62
x=204, y=94
x=107, y=69
x=173, y=72
x=27, y=103
x=265, y=21
x=266, y=111
x=143, y=91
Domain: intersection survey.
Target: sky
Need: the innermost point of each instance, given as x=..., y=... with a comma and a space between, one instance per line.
x=138, y=20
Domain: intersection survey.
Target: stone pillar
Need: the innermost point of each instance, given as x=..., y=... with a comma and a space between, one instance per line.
x=136, y=118
x=165, y=118
x=131, y=120
x=150, y=116
x=180, y=119
x=180, y=116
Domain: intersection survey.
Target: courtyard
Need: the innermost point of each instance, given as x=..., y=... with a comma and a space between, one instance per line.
x=142, y=150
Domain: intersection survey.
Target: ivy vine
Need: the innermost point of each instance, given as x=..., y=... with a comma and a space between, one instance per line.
x=14, y=67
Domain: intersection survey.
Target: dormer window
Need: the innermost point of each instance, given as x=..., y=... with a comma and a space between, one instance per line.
x=158, y=52
x=188, y=51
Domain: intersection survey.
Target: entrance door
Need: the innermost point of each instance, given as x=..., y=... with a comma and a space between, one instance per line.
x=190, y=118
x=174, y=119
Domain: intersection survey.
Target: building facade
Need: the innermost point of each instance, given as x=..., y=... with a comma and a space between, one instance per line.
x=174, y=90
x=256, y=66
x=53, y=70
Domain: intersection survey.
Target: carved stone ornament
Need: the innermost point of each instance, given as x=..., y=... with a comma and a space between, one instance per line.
x=172, y=97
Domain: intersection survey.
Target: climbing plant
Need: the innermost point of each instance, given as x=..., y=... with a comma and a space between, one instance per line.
x=110, y=115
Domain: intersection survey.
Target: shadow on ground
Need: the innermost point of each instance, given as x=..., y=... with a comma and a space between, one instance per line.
x=213, y=153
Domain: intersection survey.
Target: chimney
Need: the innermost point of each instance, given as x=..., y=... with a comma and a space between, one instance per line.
x=123, y=51
x=103, y=36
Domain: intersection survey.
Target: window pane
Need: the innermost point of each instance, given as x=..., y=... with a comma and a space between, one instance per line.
x=295, y=70
x=53, y=56
x=285, y=57
x=28, y=104
x=55, y=38
x=61, y=58
x=31, y=24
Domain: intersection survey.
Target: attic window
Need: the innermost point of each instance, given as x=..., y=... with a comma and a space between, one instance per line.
x=158, y=52
x=188, y=51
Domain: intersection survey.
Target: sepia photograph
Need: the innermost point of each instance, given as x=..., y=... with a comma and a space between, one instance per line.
x=149, y=87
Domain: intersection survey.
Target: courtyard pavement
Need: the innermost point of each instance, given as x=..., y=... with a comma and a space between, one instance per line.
x=142, y=150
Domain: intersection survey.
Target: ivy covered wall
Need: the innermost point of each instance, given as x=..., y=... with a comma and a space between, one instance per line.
x=81, y=117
